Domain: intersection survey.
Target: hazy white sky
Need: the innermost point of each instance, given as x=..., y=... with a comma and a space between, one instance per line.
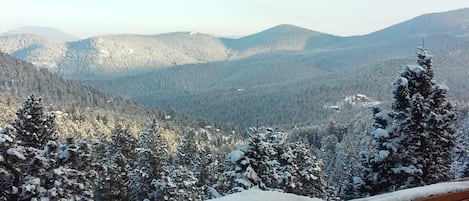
x=85, y=18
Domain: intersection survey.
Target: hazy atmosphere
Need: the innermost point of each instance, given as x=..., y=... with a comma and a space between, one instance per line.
x=219, y=17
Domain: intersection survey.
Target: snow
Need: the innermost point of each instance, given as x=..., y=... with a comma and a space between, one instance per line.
x=383, y=154
x=235, y=156
x=442, y=87
x=14, y=152
x=380, y=133
x=420, y=192
x=258, y=195
x=416, y=69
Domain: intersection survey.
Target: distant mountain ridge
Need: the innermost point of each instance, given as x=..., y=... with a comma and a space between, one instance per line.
x=114, y=54
x=108, y=55
x=43, y=31
x=285, y=74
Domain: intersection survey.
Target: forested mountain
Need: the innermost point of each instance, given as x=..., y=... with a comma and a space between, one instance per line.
x=48, y=32
x=85, y=111
x=284, y=75
x=240, y=91
x=120, y=54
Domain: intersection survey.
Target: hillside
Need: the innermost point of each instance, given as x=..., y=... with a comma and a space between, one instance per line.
x=43, y=31
x=112, y=55
x=284, y=75
x=85, y=111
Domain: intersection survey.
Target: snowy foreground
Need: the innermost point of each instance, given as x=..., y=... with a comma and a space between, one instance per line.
x=258, y=195
x=403, y=195
x=420, y=192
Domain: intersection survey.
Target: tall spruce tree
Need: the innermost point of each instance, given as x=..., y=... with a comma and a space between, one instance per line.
x=151, y=164
x=120, y=154
x=33, y=127
x=37, y=167
x=413, y=142
x=12, y=160
x=268, y=162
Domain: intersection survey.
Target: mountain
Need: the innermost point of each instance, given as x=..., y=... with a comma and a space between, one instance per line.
x=43, y=31
x=38, y=50
x=114, y=54
x=111, y=55
x=279, y=38
x=283, y=75
x=297, y=85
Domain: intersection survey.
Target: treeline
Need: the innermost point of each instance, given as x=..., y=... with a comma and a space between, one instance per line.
x=35, y=164
x=292, y=92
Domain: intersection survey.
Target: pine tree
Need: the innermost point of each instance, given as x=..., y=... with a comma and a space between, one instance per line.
x=151, y=164
x=180, y=184
x=33, y=127
x=120, y=154
x=269, y=163
x=188, y=153
x=303, y=172
x=413, y=142
x=99, y=147
x=37, y=167
x=12, y=158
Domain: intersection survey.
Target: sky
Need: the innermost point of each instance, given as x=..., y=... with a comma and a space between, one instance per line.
x=85, y=18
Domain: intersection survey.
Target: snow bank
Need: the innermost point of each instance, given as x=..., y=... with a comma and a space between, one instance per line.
x=420, y=192
x=258, y=195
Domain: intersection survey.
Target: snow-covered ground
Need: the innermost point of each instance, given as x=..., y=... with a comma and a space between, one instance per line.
x=403, y=195
x=258, y=195
x=420, y=192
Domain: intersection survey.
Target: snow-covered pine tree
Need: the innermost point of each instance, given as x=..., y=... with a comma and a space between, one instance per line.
x=180, y=184
x=303, y=172
x=151, y=164
x=48, y=170
x=247, y=161
x=442, y=133
x=120, y=155
x=188, y=152
x=33, y=127
x=460, y=155
x=413, y=141
x=269, y=163
x=99, y=147
x=74, y=175
x=12, y=158
x=209, y=164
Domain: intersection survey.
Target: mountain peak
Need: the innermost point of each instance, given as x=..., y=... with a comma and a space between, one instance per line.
x=288, y=28
x=44, y=31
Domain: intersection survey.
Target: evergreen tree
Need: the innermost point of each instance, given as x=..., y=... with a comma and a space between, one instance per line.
x=151, y=164
x=188, y=153
x=98, y=159
x=120, y=154
x=269, y=163
x=33, y=127
x=180, y=184
x=413, y=142
x=12, y=158
x=303, y=172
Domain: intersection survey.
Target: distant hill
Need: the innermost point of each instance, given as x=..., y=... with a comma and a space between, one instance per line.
x=43, y=31
x=279, y=38
x=110, y=55
x=114, y=54
x=285, y=74
x=296, y=86
x=38, y=50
